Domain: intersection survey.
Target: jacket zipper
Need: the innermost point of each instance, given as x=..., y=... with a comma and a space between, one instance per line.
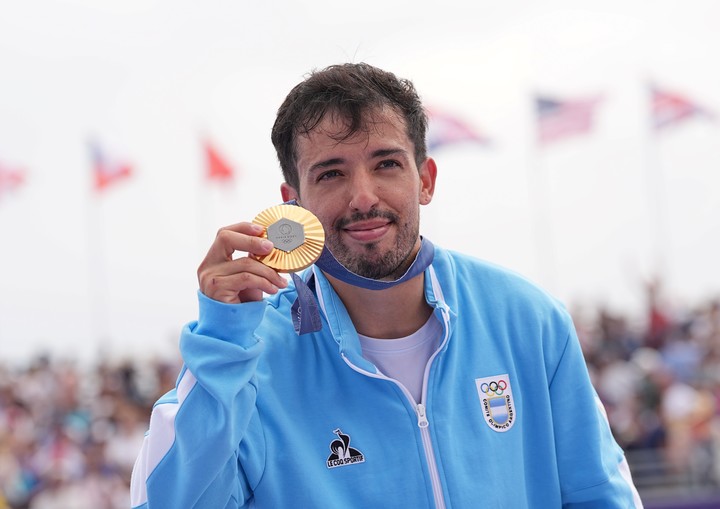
x=420, y=410
x=430, y=456
x=424, y=423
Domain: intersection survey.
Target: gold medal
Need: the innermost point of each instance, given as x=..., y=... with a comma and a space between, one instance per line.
x=297, y=235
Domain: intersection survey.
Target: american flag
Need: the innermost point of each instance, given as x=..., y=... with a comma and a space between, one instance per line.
x=560, y=119
x=670, y=108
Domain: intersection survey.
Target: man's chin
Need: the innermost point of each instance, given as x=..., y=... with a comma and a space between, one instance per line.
x=371, y=260
x=379, y=268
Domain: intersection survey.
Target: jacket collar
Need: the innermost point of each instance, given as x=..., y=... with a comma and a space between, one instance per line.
x=341, y=326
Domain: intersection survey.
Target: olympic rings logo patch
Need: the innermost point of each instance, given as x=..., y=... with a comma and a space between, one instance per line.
x=497, y=388
x=496, y=402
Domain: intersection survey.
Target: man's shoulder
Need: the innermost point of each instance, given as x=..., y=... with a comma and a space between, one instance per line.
x=470, y=275
x=461, y=263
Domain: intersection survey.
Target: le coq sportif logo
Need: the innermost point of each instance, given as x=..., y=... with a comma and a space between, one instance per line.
x=341, y=453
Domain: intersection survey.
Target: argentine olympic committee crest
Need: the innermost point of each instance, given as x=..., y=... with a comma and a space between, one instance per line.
x=497, y=403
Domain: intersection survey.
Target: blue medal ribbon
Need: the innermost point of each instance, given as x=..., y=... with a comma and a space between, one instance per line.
x=306, y=310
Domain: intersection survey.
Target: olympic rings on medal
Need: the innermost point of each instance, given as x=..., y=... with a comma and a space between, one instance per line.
x=496, y=388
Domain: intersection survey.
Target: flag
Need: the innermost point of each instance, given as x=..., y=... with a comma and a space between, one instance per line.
x=216, y=166
x=670, y=108
x=106, y=169
x=560, y=119
x=446, y=129
x=11, y=178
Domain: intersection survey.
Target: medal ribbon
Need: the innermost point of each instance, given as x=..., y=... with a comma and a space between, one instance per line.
x=306, y=310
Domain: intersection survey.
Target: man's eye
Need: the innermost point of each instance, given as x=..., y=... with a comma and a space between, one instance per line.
x=328, y=175
x=389, y=163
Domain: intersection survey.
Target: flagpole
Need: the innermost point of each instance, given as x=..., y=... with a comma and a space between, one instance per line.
x=204, y=200
x=97, y=272
x=539, y=202
x=657, y=207
x=205, y=215
x=105, y=172
x=542, y=224
x=554, y=120
x=201, y=207
x=217, y=170
x=667, y=109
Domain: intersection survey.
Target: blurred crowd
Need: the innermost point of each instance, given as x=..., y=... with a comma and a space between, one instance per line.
x=69, y=434
x=659, y=380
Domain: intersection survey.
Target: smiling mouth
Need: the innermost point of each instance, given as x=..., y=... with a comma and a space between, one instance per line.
x=367, y=231
x=368, y=227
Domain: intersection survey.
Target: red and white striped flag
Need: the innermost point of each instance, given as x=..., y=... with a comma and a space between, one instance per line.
x=560, y=119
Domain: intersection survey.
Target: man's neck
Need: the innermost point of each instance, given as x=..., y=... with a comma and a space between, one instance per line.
x=387, y=314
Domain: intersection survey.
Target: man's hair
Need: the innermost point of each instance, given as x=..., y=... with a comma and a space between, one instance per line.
x=352, y=92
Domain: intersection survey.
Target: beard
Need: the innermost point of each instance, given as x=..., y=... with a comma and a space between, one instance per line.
x=371, y=262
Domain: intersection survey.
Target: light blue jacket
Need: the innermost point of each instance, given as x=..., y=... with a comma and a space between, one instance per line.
x=261, y=417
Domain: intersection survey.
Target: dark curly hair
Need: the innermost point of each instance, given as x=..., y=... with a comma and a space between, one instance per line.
x=351, y=91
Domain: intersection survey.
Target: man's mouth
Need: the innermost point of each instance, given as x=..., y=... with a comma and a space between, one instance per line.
x=368, y=227
x=367, y=230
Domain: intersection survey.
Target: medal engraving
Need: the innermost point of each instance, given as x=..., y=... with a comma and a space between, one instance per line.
x=286, y=234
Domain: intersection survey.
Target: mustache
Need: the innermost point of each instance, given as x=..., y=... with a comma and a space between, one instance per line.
x=358, y=216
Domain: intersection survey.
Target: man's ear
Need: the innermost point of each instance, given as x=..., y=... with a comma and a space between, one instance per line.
x=288, y=192
x=428, y=172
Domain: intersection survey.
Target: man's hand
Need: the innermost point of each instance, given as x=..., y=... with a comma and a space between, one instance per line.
x=229, y=280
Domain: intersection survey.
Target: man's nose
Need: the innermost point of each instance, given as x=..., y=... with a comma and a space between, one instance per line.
x=363, y=193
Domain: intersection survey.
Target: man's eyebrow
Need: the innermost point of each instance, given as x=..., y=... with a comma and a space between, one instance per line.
x=334, y=161
x=325, y=164
x=384, y=152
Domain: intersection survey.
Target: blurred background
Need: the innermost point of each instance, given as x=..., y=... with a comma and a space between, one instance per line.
x=577, y=143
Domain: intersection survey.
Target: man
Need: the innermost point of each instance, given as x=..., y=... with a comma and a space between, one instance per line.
x=455, y=384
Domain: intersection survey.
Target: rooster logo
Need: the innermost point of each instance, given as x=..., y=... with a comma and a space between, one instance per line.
x=341, y=452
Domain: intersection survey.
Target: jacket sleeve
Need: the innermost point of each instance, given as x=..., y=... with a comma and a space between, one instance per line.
x=593, y=470
x=189, y=457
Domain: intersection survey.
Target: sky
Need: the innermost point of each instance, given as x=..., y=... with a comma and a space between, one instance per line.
x=591, y=218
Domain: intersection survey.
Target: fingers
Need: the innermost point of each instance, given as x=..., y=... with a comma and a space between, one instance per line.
x=242, y=279
x=243, y=237
x=225, y=281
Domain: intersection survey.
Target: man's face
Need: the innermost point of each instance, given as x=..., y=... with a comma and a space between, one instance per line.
x=366, y=191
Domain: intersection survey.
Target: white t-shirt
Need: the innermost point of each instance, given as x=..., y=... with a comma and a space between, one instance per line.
x=404, y=359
